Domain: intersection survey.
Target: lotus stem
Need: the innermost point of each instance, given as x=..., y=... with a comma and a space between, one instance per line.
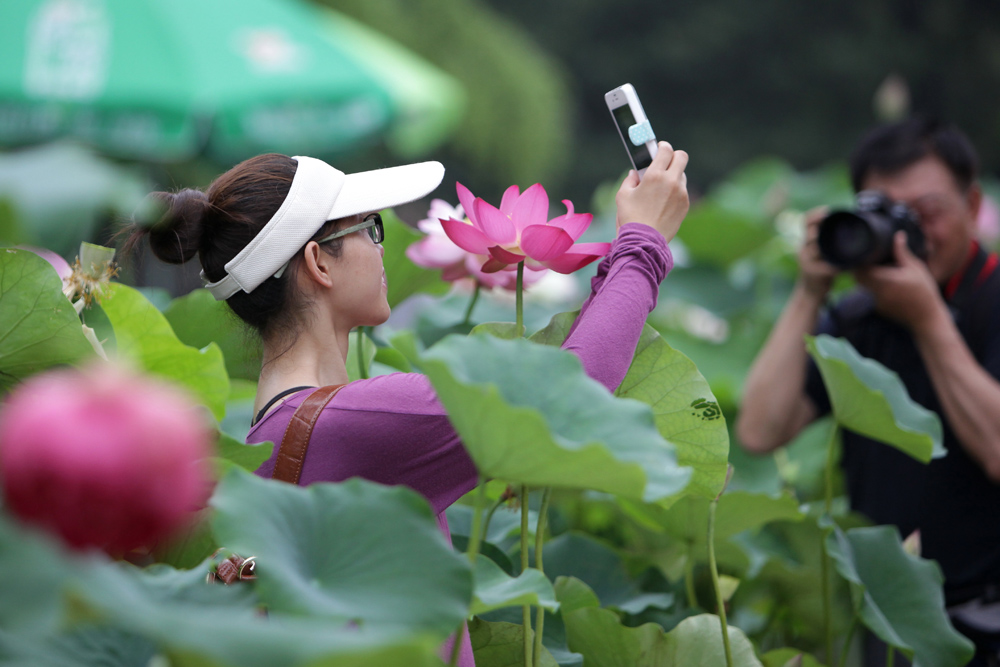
x=692, y=597
x=845, y=649
x=472, y=304
x=526, y=609
x=715, y=582
x=362, y=368
x=539, y=542
x=489, y=516
x=472, y=550
x=457, y=646
x=519, y=302
x=890, y=656
x=824, y=568
x=475, y=535
x=831, y=452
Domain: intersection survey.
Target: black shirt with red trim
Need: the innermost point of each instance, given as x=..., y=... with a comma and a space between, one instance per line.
x=950, y=500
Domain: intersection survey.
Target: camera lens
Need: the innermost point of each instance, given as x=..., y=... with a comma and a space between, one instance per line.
x=846, y=239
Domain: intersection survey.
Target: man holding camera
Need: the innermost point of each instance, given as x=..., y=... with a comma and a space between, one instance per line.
x=936, y=322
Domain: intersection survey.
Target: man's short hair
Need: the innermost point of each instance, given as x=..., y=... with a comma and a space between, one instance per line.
x=889, y=149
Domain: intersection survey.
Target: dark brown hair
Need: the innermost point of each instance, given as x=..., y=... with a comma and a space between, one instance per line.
x=218, y=223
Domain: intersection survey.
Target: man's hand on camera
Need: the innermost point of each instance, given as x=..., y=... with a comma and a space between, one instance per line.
x=906, y=292
x=816, y=276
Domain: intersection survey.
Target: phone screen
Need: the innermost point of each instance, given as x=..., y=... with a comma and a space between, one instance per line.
x=640, y=154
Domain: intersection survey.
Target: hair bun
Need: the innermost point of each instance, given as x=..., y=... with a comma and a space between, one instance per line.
x=177, y=236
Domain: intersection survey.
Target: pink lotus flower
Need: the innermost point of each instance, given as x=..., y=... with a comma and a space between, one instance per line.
x=437, y=251
x=988, y=221
x=521, y=231
x=102, y=457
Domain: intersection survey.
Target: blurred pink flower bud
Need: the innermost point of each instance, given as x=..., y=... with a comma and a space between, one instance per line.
x=103, y=457
x=911, y=544
x=988, y=220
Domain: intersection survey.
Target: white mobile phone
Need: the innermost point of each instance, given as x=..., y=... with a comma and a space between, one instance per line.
x=627, y=111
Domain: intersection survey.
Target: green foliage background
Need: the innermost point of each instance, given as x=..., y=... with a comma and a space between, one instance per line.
x=517, y=126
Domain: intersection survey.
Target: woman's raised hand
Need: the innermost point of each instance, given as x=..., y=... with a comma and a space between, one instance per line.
x=660, y=200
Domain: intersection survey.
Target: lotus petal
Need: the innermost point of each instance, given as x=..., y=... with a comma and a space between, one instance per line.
x=506, y=256
x=532, y=208
x=510, y=197
x=467, y=237
x=455, y=271
x=575, y=224
x=434, y=252
x=493, y=223
x=61, y=266
x=579, y=256
x=542, y=242
x=466, y=197
x=493, y=265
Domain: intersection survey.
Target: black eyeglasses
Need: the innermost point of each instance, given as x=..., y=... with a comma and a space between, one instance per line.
x=372, y=222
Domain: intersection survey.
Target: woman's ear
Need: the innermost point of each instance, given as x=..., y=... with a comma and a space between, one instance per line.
x=317, y=266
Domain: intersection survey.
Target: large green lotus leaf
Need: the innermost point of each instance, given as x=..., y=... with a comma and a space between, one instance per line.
x=39, y=327
x=190, y=622
x=498, y=644
x=695, y=642
x=495, y=589
x=505, y=330
x=239, y=409
x=32, y=575
x=556, y=331
x=686, y=412
x=354, y=551
x=367, y=354
x=143, y=334
x=12, y=231
x=687, y=521
x=190, y=546
x=528, y=414
x=576, y=557
x=196, y=624
x=96, y=646
x=871, y=400
x=198, y=319
x=759, y=188
x=781, y=657
x=899, y=595
x=403, y=276
x=248, y=457
x=393, y=359
x=720, y=236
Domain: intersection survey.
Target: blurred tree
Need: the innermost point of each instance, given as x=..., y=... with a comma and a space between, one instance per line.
x=516, y=128
x=731, y=80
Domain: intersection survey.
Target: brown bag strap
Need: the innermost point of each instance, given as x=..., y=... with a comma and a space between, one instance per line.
x=292, y=451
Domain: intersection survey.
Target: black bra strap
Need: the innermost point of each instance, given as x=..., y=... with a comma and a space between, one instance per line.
x=274, y=400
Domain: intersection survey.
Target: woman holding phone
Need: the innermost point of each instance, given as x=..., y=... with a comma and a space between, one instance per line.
x=292, y=245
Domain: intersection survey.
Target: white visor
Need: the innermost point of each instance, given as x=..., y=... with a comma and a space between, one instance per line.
x=320, y=193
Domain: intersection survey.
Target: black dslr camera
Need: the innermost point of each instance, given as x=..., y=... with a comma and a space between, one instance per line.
x=863, y=237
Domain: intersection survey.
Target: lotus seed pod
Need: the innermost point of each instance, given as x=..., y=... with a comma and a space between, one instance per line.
x=103, y=457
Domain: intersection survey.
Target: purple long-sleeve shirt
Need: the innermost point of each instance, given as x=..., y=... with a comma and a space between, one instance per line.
x=392, y=429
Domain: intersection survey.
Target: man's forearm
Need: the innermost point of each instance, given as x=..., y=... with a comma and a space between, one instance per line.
x=970, y=397
x=775, y=407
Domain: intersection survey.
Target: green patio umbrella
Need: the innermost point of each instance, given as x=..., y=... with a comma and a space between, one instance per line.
x=430, y=102
x=167, y=79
